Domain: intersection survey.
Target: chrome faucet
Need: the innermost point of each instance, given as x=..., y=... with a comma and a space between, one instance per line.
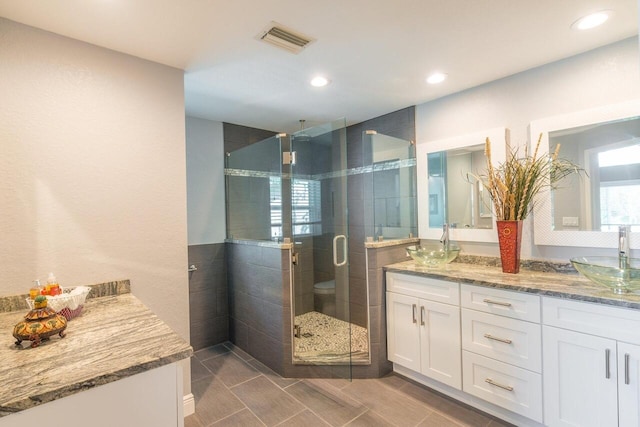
x=624, y=232
x=445, y=237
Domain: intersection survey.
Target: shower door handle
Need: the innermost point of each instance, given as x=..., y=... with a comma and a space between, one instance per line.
x=335, y=250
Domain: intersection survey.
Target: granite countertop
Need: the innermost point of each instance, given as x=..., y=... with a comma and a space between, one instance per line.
x=114, y=337
x=565, y=285
x=390, y=242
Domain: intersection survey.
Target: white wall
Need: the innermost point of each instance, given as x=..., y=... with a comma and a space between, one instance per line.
x=92, y=170
x=205, y=181
x=603, y=76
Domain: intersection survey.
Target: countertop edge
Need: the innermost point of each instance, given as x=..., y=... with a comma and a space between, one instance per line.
x=92, y=373
x=573, y=287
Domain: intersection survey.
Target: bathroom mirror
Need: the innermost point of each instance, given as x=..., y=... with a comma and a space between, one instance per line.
x=445, y=192
x=586, y=211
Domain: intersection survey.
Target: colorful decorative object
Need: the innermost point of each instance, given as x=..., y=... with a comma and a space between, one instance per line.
x=513, y=186
x=69, y=302
x=40, y=324
x=510, y=239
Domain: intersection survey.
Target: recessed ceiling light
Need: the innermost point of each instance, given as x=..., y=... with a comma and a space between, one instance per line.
x=319, y=81
x=591, y=21
x=436, y=78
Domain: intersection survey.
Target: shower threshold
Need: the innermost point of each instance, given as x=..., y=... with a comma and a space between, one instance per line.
x=329, y=341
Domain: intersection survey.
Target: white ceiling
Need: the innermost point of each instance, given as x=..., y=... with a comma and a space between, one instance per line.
x=376, y=52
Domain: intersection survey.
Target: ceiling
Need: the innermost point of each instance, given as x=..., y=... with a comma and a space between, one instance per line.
x=377, y=53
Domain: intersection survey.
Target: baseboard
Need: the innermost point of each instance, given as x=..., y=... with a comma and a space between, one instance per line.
x=189, y=403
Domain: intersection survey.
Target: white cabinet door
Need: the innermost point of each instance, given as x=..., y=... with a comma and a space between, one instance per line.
x=403, y=331
x=440, y=342
x=628, y=385
x=579, y=376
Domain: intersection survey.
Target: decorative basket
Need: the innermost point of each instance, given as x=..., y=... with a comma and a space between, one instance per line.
x=69, y=303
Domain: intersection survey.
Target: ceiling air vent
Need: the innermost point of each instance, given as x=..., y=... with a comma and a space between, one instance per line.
x=285, y=38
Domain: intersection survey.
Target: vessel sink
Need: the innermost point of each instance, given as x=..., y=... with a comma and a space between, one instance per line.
x=607, y=271
x=433, y=255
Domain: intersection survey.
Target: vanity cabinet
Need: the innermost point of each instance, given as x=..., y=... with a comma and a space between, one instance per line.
x=591, y=359
x=501, y=357
x=423, y=326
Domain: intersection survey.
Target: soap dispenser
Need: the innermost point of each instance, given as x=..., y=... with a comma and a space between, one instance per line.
x=36, y=289
x=52, y=288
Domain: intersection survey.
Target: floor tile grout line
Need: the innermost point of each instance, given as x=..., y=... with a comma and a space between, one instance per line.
x=231, y=387
x=340, y=391
x=225, y=417
x=294, y=415
x=322, y=418
x=232, y=350
x=425, y=418
x=195, y=353
x=254, y=414
x=208, y=370
x=387, y=385
x=456, y=422
x=267, y=378
x=413, y=399
x=366, y=409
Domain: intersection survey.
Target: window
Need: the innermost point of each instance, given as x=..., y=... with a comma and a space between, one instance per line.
x=305, y=207
x=619, y=175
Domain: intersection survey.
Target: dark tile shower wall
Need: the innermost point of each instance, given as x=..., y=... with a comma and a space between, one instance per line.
x=208, y=298
x=399, y=124
x=237, y=136
x=260, y=307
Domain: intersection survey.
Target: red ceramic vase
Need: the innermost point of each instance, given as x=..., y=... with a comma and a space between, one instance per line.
x=510, y=239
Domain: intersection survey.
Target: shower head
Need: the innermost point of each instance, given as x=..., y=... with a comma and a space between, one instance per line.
x=301, y=135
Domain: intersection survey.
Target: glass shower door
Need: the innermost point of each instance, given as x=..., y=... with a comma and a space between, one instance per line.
x=319, y=230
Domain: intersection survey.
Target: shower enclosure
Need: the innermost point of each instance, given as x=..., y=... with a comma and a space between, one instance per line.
x=291, y=190
x=288, y=195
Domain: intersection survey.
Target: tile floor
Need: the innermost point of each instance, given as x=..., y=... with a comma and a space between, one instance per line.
x=233, y=389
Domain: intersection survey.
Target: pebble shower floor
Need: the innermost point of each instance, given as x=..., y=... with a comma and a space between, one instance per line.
x=325, y=339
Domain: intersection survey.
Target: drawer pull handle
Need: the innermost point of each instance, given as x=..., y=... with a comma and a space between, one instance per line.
x=627, y=380
x=491, y=337
x=502, y=386
x=413, y=312
x=490, y=301
x=607, y=364
x=422, y=315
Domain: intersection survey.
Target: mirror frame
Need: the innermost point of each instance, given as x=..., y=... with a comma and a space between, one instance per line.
x=499, y=139
x=543, y=234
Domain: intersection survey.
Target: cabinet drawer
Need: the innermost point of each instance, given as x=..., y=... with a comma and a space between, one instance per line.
x=518, y=305
x=512, y=388
x=596, y=319
x=424, y=287
x=501, y=338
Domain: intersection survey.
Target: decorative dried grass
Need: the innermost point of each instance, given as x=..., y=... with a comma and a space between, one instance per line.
x=514, y=184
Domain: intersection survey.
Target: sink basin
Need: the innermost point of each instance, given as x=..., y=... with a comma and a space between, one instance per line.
x=433, y=255
x=606, y=271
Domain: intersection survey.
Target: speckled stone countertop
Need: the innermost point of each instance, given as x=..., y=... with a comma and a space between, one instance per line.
x=114, y=337
x=390, y=242
x=263, y=243
x=567, y=284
